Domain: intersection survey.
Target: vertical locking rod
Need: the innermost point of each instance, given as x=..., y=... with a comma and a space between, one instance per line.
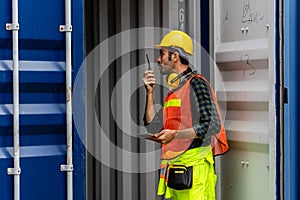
x=283, y=99
x=14, y=27
x=68, y=168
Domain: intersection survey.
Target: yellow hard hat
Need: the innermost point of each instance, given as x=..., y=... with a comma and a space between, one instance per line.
x=178, y=39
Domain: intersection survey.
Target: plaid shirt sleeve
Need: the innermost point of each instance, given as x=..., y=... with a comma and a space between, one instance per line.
x=206, y=120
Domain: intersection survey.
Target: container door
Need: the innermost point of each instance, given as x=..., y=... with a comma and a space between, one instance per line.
x=244, y=55
x=42, y=100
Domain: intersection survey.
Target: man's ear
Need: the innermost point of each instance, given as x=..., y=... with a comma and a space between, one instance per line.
x=175, y=57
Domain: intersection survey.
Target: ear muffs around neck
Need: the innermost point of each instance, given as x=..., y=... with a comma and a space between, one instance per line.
x=174, y=79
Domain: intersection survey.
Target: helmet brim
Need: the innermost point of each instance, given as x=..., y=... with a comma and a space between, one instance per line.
x=181, y=51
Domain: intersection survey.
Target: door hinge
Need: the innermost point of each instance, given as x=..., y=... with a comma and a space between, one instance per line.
x=285, y=95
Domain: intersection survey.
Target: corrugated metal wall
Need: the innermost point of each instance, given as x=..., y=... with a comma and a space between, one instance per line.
x=104, y=181
x=120, y=165
x=244, y=44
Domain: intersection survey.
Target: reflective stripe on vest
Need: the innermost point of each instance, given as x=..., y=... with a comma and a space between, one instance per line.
x=172, y=102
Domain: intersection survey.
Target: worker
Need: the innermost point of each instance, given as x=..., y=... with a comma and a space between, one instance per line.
x=189, y=125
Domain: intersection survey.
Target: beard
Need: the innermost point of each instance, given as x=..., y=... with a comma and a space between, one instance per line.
x=165, y=69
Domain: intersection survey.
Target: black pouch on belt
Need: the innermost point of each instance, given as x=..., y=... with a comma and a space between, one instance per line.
x=180, y=177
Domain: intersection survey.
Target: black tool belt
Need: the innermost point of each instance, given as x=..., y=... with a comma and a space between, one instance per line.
x=180, y=177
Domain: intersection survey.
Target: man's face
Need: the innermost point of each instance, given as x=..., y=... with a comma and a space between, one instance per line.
x=165, y=65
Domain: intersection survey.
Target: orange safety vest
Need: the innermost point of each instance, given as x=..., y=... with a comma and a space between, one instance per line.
x=177, y=116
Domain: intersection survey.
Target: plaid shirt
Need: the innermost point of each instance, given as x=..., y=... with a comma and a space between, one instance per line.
x=205, y=118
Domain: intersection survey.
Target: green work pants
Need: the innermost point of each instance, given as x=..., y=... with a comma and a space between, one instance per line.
x=204, y=178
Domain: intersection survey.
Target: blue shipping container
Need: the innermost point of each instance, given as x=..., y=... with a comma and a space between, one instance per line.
x=42, y=100
x=291, y=109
